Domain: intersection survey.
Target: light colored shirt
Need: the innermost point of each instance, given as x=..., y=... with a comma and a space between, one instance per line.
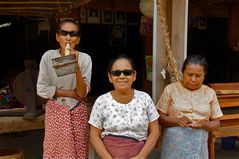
x=48, y=80
x=197, y=105
x=131, y=119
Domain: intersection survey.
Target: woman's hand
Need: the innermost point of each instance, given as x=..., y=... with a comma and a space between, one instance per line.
x=76, y=53
x=137, y=157
x=197, y=124
x=184, y=121
x=97, y=142
x=75, y=95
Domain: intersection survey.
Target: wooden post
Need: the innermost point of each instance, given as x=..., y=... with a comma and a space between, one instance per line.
x=159, y=59
x=175, y=13
x=233, y=37
x=159, y=53
x=179, y=30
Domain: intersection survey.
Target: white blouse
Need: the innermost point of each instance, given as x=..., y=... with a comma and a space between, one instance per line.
x=48, y=80
x=131, y=119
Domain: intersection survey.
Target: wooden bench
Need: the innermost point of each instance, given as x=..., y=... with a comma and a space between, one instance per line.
x=18, y=124
x=228, y=97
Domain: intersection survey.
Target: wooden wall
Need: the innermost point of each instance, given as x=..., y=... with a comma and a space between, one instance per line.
x=233, y=38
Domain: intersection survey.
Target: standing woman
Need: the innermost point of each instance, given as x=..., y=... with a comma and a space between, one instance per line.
x=188, y=110
x=123, y=121
x=66, y=119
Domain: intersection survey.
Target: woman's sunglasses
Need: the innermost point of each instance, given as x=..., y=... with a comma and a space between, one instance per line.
x=71, y=33
x=125, y=72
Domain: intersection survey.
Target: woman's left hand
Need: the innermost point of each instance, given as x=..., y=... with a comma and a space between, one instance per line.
x=76, y=53
x=136, y=157
x=197, y=124
x=77, y=97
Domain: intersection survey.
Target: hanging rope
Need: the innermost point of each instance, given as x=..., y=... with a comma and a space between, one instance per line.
x=171, y=63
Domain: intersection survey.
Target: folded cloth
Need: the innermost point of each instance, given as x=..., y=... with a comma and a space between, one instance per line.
x=122, y=147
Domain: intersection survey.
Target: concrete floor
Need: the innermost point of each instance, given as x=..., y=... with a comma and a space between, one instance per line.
x=31, y=144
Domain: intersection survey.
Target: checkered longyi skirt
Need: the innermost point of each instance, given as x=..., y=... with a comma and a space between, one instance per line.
x=66, y=132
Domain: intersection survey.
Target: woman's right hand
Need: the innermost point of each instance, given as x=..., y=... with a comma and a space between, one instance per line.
x=184, y=121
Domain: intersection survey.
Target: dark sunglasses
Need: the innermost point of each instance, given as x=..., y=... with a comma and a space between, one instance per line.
x=71, y=33
x=125, y=72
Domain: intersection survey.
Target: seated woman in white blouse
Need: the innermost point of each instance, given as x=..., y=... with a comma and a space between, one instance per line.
x=123, y=121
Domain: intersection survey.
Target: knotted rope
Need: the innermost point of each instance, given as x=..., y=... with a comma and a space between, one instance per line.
x=171, y=65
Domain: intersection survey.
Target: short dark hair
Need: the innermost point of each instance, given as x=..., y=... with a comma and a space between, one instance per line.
x=68, y=20
x=121, y=56
x=196, y=59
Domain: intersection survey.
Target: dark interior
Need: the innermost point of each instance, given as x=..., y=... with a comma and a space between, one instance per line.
x=22, y=40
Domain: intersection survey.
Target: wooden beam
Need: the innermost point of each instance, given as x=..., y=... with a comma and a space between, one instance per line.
x=30, y=8
x=41, y=8
x=203, y=3
x=210, y=11
x=77, y=4
x=32, y=14
x=29, y=11
x=115, y=5
x=55, y=3
x=35, y=2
